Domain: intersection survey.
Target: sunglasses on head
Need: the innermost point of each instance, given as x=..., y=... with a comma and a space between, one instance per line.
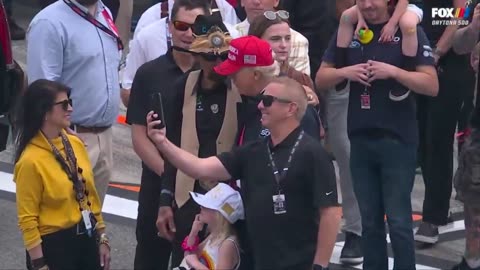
x=272, y=15
x=214, y=57
x=268, y=100
x=64, y=104
x=181, y=26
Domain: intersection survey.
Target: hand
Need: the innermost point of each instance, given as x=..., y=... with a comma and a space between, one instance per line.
x=476, y=18
x=388, y=31
x=165, y=224
x=380, y=71
x=73, y=133
x=158, y=136
x=360, y=25
x=474, y=57
x=357, y=73
x=197, y=225
x=104, y=256
x=312, y=97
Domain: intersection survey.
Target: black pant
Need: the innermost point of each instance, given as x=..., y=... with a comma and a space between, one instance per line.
x=437, y=118
x=152, y=252
x=66, y=250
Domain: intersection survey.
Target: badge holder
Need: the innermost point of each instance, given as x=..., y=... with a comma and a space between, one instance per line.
x=279, y=206
x=365, y=99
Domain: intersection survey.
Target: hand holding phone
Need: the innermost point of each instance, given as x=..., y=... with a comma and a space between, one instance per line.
x=157, y=108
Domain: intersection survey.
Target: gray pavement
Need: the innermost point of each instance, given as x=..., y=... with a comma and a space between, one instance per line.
x=127, y=169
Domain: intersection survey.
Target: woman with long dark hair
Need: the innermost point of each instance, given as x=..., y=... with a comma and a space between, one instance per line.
x=59, y=212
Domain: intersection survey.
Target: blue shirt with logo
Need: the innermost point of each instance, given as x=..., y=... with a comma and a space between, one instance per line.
x=396, y=117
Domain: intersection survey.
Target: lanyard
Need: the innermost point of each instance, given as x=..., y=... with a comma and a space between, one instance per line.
x=242, y=135
x=70, y=167
x=279, y=176
x=112, y=31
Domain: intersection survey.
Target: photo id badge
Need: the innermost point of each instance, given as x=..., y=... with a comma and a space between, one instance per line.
x=86, y=221
x=365, y=101
x=279, y=206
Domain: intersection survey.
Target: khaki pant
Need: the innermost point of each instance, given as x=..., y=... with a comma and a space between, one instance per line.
x=99, y=147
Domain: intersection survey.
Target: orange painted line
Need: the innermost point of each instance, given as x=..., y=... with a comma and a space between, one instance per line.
x=126, y=187
x=121, y=119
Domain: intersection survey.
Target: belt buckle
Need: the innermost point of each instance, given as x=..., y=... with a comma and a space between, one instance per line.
x=80, y=229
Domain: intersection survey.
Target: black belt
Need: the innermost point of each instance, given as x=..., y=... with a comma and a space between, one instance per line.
x=83, y=129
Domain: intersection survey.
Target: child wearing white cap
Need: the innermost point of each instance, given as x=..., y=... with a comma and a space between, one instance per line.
x=221, y=207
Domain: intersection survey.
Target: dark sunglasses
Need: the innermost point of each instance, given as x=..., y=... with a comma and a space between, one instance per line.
x=268, y=100
x=64, y=104
x=214, y=57
x=181, y=26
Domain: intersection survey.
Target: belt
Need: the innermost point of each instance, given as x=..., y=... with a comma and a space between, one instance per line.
x=95, y=130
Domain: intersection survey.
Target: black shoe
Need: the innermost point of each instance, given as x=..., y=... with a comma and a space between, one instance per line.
x=464, y=266
x=16, y=32
x=352, y=250
x=427, y=233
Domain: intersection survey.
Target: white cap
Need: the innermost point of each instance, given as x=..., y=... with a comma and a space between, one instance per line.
x=224, y=199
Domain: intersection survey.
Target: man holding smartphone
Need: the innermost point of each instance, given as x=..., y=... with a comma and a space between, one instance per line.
x=204, y=122
x=156, y=76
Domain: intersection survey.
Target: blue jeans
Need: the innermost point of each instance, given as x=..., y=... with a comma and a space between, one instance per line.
x=383, y=172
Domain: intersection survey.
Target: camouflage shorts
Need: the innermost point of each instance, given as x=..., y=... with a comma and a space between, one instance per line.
x=467, y=176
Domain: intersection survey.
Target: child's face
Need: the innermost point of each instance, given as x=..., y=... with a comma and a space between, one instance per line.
x=207, y=216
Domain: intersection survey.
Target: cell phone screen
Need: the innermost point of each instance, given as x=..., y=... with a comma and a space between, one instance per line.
x=157, y=107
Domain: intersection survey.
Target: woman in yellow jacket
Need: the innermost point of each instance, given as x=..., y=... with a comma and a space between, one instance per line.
x=59, y=212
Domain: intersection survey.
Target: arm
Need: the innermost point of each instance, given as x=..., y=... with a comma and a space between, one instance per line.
x=446, y=40
x=327, y=234
x=400, y=9
x=228, y=255
x=124, y=19
x=209, y=169
x=135, y=59
x=29, y=189
x=146, y=150
x=328, y=76
x=465, y=39
x=44, y=52
x=422, y=81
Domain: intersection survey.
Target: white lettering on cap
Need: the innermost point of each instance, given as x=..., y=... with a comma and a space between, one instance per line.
x=233, y=50
x=250, y=59
x=232, y=57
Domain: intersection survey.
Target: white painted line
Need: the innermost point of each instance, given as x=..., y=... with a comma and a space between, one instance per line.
x=112, y=205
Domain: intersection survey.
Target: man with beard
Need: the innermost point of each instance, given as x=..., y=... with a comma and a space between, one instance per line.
x=75, y=42
x=153, y=252
x=203, y=122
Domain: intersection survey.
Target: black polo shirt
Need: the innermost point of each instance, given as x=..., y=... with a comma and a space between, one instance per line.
x=152, y=77
x=281, y=241
x=250, y=127
x=210, y=112
x=395, y=117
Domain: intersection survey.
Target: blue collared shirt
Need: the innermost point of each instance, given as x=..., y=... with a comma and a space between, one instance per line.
x=62, y=46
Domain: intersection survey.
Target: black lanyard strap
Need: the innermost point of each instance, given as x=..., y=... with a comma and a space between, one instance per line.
x=280, y=175
x=112, y=32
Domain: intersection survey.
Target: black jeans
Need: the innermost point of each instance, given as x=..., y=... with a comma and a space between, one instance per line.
x=66, y=250
x=437, y=119
x=152, y=252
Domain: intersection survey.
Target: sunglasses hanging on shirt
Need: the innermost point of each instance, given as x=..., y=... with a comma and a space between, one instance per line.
x=272, y=15
x=111, y=30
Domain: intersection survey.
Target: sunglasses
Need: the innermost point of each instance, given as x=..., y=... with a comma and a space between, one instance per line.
x=214, y=57
x=272, y=15
x=268, y=100
x=64, y=104
x=181, y=26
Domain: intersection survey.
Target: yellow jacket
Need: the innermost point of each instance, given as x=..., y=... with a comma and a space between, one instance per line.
x=45, y=197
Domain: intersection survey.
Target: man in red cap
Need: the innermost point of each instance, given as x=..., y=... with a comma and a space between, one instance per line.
x=250, y=65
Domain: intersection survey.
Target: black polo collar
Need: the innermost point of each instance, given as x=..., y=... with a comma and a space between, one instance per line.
x=288, y=142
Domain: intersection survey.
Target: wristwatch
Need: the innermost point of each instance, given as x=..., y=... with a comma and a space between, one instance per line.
x=319, y=267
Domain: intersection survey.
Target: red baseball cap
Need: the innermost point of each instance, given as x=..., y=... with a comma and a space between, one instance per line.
x=247, y=51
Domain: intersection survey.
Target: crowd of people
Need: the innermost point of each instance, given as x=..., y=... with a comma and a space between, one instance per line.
x=237, y=111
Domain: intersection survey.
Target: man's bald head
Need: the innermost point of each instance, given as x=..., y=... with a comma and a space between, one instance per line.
x=294, y=91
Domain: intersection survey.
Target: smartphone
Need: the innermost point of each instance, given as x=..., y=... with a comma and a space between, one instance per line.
x=156, y=106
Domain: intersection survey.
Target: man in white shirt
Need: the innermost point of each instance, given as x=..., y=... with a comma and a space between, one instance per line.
x=152, y=40
x=298, y=57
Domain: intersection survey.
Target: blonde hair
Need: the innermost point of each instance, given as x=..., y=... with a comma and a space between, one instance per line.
x=224, y=229
x=295, y=92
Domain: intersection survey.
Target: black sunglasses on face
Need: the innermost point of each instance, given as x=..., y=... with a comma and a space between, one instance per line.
x=64, y=104
x=214, y=57
x=181, y=26
x=268, y=100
